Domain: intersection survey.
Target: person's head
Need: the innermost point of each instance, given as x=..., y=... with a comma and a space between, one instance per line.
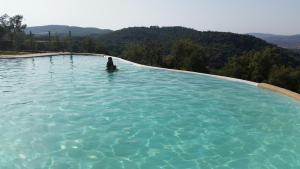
x=110, y=59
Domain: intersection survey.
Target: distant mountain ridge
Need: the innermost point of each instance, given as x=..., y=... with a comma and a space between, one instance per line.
x=63, y=30
x=285, y=41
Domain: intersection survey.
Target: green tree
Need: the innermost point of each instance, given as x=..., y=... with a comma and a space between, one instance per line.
x=262, y=62
x=154, y=52
x=182, y=50
x=4, y=22
x=198, y=61
x=238, y=67
x=285, y=76
x=100, y=48
x=190, y=56
x=16, y=25
x=5, y=40
x=168, y=61
x=89, y=45
x=135, y=52
x=13, y=29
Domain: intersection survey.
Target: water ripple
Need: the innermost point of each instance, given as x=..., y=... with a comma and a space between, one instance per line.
x=68, y=112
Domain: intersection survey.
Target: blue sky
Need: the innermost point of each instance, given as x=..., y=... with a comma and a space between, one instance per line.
x=240, y=16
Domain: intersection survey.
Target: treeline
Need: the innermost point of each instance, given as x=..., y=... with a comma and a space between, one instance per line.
x=184, y=55
x=229, y=54
x=69, y=44
x=14, y=38
x=266, y=65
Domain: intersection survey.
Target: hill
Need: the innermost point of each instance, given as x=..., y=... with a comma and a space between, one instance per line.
x=219, y=45
x=292, y=42
x=229, y=54
x=63, y=30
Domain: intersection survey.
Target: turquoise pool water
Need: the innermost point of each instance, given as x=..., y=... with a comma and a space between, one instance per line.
x=68, y=113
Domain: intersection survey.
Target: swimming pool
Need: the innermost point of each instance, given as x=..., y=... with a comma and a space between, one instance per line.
x=68, y=112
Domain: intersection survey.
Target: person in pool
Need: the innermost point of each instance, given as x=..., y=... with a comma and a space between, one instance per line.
x=110, y=65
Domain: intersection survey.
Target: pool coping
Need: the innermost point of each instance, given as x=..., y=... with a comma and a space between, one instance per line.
x=280, y=90
x=270, y=87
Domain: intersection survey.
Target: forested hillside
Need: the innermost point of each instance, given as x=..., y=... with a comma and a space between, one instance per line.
x=229, y=54
x=219, y=46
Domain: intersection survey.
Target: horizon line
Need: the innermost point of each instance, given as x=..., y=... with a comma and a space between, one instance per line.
x=274, y=34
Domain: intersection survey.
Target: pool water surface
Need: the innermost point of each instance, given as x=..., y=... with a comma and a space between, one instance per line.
x=67, y=112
